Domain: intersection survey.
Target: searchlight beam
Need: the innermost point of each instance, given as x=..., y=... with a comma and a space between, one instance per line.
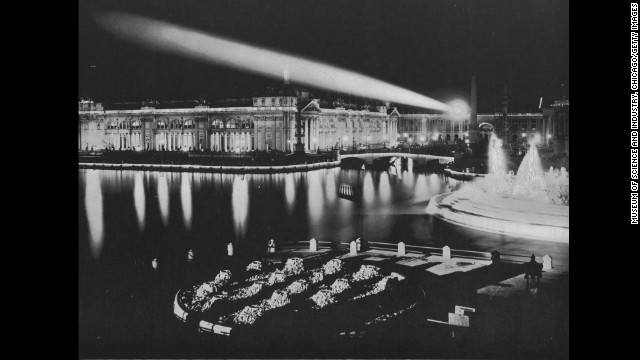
x=166, y=37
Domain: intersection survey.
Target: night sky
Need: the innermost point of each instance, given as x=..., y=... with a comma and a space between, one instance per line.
x=431, y=47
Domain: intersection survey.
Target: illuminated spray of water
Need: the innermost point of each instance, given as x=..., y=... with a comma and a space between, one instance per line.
x=167, y=37
x=185, y=197
x=529, y=183
x=93, y=206
x=163, y=199
x=139, y=200
x=497, y=160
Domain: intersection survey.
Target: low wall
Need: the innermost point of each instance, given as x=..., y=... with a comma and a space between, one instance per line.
x=212, y=169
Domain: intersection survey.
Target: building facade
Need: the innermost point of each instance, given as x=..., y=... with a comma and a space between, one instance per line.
x=270, y=124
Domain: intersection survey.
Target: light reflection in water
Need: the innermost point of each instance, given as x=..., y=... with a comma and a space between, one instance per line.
x=398, y=168
x=421, y=191
x=93, y=206
x=434, y=183
x=315, y=200
x=368, y=194
x=330, y=187
x=163, y=199
x=290, y=192
x=139, y=200
x=240, y=205
x=384, y=189
x=408, y=178
x=185, y=197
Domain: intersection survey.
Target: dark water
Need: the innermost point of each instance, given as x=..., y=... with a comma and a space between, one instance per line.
x=129, y=218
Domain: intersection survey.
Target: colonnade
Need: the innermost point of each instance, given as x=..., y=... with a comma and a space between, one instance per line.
x=125, y=140
x=232, y=141
x=176, y=141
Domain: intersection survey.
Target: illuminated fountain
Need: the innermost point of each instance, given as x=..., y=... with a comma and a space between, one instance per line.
x=530, y=203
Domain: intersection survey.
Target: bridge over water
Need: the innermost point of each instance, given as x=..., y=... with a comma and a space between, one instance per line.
x=420, y=158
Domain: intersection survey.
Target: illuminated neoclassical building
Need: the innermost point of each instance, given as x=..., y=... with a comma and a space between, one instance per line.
x=271, y=124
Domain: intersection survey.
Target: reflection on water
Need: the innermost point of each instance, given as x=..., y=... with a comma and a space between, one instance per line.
x=330, y=187
x=139, y=200
x=384, y=189
x=421, y=189
x=368, y=194
x=93, y=206
x=314, y=199
x=163, y=199
x=185, y=197
x=240, y=206
x=290, y=192
x=407, y=177
x=287, y=207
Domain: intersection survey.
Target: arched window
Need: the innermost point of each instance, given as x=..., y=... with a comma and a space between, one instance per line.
x=136, y=125
x=455, y=137
x=189, y=124
x=123, y=125
x=217, y=124
x=448, y=137
x=113, y=124
x=176, y=124
x=162, y=124
x=231, y=124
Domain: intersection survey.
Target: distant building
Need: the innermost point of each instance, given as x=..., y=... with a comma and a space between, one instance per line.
x=270, y=124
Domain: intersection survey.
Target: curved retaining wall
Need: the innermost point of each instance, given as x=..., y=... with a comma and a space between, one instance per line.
x=212, y=169
x=497, y=218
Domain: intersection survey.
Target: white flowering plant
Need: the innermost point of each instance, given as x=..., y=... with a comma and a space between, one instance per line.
x=255, y=265
x=332, y=266
x=293, y=266
x=339, y=286
x=323, y=298
x=297, y=286
x=366, y=272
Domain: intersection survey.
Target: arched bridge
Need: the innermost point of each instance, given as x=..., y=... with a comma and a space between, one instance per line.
x=420, y=158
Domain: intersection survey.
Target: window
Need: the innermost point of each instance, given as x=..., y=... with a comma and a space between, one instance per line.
x=136, y=125
x=112, y=125
x=161, y=125
x=98, y=124
x=217, y=124
x=189, y=124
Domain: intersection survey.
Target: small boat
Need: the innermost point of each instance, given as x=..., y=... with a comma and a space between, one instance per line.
x=464, y=176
